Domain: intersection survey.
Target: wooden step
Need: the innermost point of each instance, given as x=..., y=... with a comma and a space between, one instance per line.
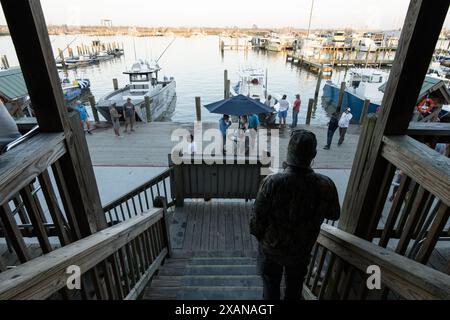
x=220, y=293
x=211, y=280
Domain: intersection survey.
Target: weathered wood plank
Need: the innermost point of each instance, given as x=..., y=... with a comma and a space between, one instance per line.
x=420, y=33
x=36, y=219
x=20, y=166
x=43, y=276
x=14, y=235
x=408, y=278
x=420, y=162
x=439, y=130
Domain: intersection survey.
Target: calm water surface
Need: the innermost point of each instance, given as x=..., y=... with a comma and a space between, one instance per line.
x=197, y=65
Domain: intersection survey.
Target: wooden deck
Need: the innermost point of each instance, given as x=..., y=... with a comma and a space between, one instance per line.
x=150, y=144
x=212, y=226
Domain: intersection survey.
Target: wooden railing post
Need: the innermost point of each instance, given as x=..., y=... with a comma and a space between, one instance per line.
x=29, y=34
x=94, y=108
x=309, y=112
x=161, y=202
x=148, y=108
x=198, y=109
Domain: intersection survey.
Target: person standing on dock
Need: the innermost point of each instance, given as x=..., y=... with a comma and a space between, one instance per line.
x=289, y=209
x=344, y=122
x=115, y=116
x=224, y=124
x=84, y=117
x=332, y=127
x=295, y=110
x=283, y=110
x=129, y=114
x=253, y=124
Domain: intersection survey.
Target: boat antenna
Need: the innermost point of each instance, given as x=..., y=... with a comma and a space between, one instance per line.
x=173, y=40
x=310, y=18
x=69, y=45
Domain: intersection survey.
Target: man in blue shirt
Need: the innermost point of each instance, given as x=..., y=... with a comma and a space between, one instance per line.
x=253, y=122
x=224, y=124
x=84, y=117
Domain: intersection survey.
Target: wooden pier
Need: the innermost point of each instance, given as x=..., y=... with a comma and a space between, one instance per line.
x=316, y=64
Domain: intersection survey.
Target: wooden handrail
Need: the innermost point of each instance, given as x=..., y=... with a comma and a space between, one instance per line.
x=43, y=276
x=153, y=181
x=421, y=163
x=408, y=278
x=24, y=163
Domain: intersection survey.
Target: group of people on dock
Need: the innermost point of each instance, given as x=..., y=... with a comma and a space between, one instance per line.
x=281, y=109
x=248, y=125
x=128, y=113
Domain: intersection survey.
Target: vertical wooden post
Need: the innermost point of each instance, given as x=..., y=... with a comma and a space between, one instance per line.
x=420, y=33
x=5, y=62
x=365, y=111
x=161, y=202
x=319, y=80
x=198, y=109
x=29, y=34
x=309, y=112
x=148, y=108
x=228, y=89
x=61, y=57
x=94, y=108
x=115, y=84
x=341, y=97
x=225, y=84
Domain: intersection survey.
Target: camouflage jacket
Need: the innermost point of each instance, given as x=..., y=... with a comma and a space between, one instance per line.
x=289, y=210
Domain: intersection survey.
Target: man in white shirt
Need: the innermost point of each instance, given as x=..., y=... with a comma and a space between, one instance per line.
x=344, y=122
x=283, y=107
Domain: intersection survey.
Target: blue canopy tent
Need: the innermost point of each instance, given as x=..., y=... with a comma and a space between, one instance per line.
x=239, y=105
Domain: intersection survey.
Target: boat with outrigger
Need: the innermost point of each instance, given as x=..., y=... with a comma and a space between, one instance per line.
x=143, y=82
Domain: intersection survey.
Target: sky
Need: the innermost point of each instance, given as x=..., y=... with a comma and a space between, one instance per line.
x=370, y=14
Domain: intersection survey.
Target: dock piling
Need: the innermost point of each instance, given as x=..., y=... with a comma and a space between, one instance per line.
x=226, y=92
x=5, y=62
x=309, y=113
x=198, y=108
x=319, y=81
x=341, y=97
x=94, y=108
x=115, y=84
x=148, y=109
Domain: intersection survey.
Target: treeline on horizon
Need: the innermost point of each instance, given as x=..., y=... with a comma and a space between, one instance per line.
x=127, y=30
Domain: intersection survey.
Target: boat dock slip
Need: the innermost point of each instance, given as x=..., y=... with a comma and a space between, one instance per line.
x=150, y=144
x=344, y=62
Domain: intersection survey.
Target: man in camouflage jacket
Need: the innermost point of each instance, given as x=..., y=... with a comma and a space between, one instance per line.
x=287, y=215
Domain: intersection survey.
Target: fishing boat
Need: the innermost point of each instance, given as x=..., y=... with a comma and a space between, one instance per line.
x=361, y=84
x=74, y=89
x=143, y=82
x=252, y=83
x=104, y=55
x=364, y=44
x=278, y=43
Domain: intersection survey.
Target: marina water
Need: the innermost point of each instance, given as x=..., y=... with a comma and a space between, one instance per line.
x=197, y=65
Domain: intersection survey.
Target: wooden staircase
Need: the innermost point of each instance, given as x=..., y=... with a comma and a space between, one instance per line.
x=220, y=275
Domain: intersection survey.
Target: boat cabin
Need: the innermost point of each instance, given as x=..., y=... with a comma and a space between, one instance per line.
x=251, y=84
x=143, y=78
